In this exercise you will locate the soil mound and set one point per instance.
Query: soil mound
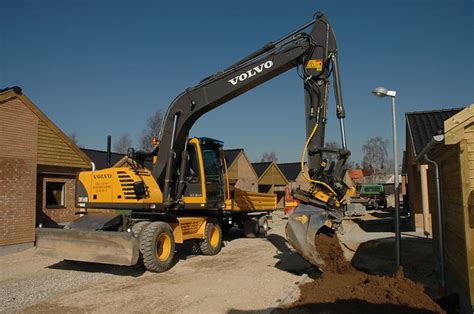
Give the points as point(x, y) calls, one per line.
point(343, 289)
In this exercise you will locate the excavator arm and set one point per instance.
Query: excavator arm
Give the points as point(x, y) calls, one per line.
point(314, 53)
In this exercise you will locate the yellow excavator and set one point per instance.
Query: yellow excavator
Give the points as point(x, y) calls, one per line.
point(133, 214)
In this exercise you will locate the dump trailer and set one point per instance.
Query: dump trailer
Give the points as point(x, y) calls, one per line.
point(121, 213)
point(185, 196)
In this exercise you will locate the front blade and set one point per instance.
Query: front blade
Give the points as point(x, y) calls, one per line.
point(106, 247)
point(301, 229)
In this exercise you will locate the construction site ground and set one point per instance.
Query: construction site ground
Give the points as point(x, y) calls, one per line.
point(248, 275)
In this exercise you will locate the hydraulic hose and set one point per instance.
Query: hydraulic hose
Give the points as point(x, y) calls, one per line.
point(305, 149)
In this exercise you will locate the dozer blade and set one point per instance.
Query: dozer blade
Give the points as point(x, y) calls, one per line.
point(106, 247)
point(301, 229)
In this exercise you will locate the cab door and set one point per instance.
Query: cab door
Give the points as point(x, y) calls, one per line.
point(213, 174)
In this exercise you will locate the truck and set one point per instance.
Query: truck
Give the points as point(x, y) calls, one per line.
point(185, 196)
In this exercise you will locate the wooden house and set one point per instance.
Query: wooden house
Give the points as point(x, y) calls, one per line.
point(455, 159)
point(271, 180)
point(38, 167)
point(240, 171)
point(420, 128)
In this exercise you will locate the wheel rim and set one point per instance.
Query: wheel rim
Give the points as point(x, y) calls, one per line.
point(265, 225)
point(215, 237)
point(163, 247)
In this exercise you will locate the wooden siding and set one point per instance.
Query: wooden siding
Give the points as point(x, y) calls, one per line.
point(272, 176)
point(54, 151)
point(456, 163)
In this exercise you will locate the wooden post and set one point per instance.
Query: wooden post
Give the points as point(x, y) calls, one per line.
point(424, 199)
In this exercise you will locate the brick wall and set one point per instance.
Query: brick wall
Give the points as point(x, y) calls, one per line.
point(51, 216)
point(18, 147)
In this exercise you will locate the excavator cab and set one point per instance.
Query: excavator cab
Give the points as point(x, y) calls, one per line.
point(204, 180)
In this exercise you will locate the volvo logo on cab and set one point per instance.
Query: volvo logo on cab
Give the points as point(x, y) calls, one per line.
point(258, 69)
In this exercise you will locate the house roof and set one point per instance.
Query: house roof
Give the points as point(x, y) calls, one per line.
point(231, 155)
point(62, 147)
point(99, 157)
point(423, 125)
point(291, 170)
point(260, 167)
point(356, 174)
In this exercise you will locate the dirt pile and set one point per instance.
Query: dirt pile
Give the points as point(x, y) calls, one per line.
point(343, 289)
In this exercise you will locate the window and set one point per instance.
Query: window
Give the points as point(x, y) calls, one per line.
point(55, 194)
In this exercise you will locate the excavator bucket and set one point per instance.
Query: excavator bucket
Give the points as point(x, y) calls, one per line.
point(303, 224)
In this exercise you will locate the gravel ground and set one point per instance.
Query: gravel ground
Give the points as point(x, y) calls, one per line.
point(247, 275)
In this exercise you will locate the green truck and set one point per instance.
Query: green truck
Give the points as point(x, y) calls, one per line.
point(371, 196)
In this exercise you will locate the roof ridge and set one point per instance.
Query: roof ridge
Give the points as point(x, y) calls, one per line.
point(101, 151)
point(434, 110)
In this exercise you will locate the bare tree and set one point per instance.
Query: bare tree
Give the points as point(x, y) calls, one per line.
point(268, 157)
point(152, 130)
point(375, 155)
point(122, 143)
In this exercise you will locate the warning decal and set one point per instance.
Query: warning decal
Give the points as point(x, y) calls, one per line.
point(316, 64)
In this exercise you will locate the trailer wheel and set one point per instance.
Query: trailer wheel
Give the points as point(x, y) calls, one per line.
point(251, 228)
point(212, 242)
point(263, 225)
point(157, 246)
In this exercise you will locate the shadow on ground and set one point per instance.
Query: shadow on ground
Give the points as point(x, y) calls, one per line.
point(288, 260)
point(340, 306)
point(377, 257)
point(384, 222)
point(132, 271)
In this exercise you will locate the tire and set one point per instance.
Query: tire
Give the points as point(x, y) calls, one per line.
point(138, 228)
point(157, 246)
point(212, 242)
point(263, 225)
point(195, 248)
point(137, 231)
point(251, 228)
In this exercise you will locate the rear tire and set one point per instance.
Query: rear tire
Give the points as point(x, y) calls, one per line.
point(251, 227)
point(212, 242)
point(157, 246)
point(263, 225)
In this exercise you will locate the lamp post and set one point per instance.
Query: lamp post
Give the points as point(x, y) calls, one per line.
point(383, 92)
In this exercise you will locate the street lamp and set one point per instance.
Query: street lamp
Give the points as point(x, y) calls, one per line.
point(383, 92)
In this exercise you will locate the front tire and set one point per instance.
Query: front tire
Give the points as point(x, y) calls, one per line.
point(212, 242)
point(157, 246)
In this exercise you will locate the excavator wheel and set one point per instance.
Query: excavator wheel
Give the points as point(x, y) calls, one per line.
point(263, 225)
point(251, 227)
point(137, 231)
point(157, 246)
point(212, 242)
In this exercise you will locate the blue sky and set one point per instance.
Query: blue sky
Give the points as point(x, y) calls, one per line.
point(101, 67)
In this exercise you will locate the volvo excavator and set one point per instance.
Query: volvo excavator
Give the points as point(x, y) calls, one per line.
point(133, 215)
